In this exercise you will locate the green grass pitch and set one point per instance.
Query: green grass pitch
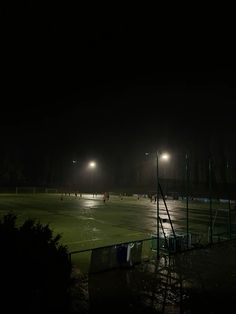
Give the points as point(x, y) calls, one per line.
point(87, 222)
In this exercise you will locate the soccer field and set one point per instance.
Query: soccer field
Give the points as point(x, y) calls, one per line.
point(87, 222)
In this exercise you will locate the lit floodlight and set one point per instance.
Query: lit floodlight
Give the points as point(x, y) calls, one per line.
point(92, 164)
point(165, 156)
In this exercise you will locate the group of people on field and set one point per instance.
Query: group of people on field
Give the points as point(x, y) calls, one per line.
point(69, 193)
point(153, 198)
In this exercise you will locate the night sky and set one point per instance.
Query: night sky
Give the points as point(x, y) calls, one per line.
point(81, 82)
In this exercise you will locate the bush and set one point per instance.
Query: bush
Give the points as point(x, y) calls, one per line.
point(34, 268)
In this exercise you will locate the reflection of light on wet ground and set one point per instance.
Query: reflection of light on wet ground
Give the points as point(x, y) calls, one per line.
point(95, 230)
point(168, 231)
point(90, 204)
point(85, 218)
point(93, 197)
point(133, 217)
point(177, 214)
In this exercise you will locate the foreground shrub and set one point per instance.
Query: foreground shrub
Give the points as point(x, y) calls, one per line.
point(34, 268)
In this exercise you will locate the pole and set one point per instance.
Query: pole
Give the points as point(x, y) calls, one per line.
point(92, 181)
point(187, 196)
point(158, 210)
point(229, 213)
point(210, 199)
point(168, 214)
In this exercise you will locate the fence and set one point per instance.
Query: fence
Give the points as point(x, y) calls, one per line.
point(125, 254)
point(128, 254)
point(27, 190)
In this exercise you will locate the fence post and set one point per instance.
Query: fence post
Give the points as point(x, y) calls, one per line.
point(187, 196)
point(210, 199)
point(229, 196)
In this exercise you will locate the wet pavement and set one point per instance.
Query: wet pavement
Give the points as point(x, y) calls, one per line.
point(196, 281)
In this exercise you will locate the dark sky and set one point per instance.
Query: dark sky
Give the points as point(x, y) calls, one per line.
point(109, 80)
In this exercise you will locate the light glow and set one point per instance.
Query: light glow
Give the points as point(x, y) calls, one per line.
point(165, 156)
point(92, 164)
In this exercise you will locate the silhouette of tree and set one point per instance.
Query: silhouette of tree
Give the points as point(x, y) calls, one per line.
point(34, 268)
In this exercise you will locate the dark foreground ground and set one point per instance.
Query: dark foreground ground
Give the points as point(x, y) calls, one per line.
point(197, 281)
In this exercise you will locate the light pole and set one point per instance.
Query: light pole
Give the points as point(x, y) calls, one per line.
point(75, 163)
point(210, 199)
point(92, 166)
point(158, 209)
point(187, 196)
point(229, 195)
point(164, 157)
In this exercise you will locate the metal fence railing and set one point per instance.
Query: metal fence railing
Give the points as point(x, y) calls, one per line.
point(128, 254)
point(103, 258)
